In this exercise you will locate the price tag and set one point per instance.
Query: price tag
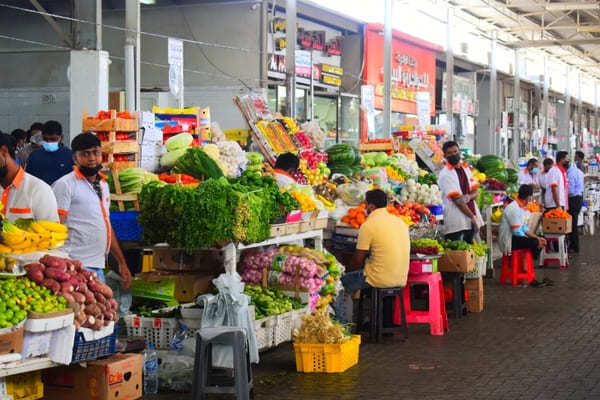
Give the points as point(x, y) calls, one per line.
point(136, 322)
point(157, 323)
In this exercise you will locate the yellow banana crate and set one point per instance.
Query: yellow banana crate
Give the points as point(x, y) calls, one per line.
point(328, 358)
point(27, 386)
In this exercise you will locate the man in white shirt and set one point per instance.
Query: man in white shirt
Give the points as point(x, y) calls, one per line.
point(548, 163)
point(556, 183)
point(23, 195)
point(529, 174)
point(83, 200)
point(285, 167)
point(459, 190)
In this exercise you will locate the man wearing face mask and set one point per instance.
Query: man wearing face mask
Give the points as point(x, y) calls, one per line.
point(575, 189)
point(53, 160)
point(385, 240)
point(556, 183)
point(83, 199)
point(529, 175)
point(459, 191)
point(23, 195)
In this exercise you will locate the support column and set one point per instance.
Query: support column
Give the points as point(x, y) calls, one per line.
point(263, 34)
point(595, 108)
point(132, 54)
point(545, 125)
point(516, 134)
point(290, 56)
point(87, 36)
point(449, 72)
point(579, 124)
point(387, 70)
point(564, 143)
point(493, 131)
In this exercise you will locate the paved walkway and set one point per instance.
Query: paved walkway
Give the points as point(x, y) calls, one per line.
point(529, 343)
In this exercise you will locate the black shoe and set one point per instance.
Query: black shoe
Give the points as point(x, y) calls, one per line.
point(548, 281)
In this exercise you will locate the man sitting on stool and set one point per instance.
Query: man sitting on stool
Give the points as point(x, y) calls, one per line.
point(386, 238)
point(514, 233)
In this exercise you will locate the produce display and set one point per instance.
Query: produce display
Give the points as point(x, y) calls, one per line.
point(91, 299)
point(484, 198)
point(27, 235)
point(318, 327)
point(8, 264)
point(480, 249)
point(269, 302)
point(19, 296)
point(421, 193)
point(426, 246)
point(232, 158)
point(343, 159)
point(427, 179)
point(356, 216)
point(557, 213)
point(534, 207)
point(255, 162)
point(494, 184)
point(131, 179)
point(195, 162)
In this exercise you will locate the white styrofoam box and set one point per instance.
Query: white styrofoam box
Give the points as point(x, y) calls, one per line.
point(36, 344)
point(187, 312)
point(48, 324)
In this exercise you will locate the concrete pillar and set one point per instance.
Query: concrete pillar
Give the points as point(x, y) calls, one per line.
point(387, 70)
point(87, 36)
point(89, 86)
point(516, 134)
point(546, 99)
point(563, 142)
point(493, 131)
point(290, 56)
point(595, 108)
point(449, 71)
point(132, 54)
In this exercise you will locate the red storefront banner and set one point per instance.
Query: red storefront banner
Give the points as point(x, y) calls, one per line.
point(413, 68)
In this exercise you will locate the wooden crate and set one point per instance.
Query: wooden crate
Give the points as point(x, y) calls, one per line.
point(120, 147)
point(114, 124)
point(369, 147)
point(120, 165)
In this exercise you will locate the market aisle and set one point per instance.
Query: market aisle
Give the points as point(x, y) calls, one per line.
point(528, 343)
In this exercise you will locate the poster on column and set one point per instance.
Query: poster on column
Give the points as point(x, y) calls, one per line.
point(424, 109)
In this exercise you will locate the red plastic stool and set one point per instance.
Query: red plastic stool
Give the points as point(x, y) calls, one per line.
point(513, 268)
point(436, 316)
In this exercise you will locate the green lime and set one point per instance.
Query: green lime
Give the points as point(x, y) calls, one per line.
point(9, 314)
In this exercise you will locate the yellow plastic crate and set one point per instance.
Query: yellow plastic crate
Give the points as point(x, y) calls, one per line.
point(329, 358)
point(27, 386)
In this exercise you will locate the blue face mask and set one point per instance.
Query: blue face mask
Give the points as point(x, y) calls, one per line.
point(50, 146)
point(534, 171)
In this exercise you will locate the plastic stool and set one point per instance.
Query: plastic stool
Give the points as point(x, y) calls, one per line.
point(458, 304)
point(561, 257)
point(436, 316)
point(204, 380)
point(514, 269)
point(377, 296)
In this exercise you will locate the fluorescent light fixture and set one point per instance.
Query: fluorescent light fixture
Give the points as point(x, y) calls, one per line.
point(148, 2)
point(589, 29)
point(572, 6)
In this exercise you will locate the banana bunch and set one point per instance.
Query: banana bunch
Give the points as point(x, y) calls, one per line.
point(40, 236)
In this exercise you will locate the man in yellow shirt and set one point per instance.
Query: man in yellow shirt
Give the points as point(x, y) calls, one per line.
point(383, 250)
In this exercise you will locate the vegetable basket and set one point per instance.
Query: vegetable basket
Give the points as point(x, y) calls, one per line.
point(155, 330)
point(329, 358)
point(27, 386)
point(87, 350)
point(283, 328)
point(264, 331)
point(126, 225)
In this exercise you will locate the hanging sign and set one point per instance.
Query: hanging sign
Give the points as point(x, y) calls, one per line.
point(423, 109)
point(175, 52)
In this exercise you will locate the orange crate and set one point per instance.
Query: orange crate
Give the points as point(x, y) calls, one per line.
point(329, 358)
point(92, 124)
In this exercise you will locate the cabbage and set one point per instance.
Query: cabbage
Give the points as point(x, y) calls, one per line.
point(179, 141)
point(170, 158)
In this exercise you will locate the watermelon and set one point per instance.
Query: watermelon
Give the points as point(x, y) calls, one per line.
point(489, 162)
point(513, 176)
point(340, 169)
point(497, 173)
point(340, 154)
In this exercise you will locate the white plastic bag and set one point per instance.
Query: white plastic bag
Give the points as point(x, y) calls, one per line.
point(228, 308)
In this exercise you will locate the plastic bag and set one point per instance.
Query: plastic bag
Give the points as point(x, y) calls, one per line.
point(353, 193)
point(122, 296)
point(217, 134)
point(314, 133)
point(228, 308)
point(175, 371)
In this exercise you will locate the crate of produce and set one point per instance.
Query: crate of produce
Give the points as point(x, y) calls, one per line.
point(283, 328)
point(297, 316)
point(155, 330)
point(480, 268)
point(321, 223)
point(292, 228)
point(28, 386)
point(90, 345)
point(49, 322)
point(558, 226)
point(329, 358)
point(115, 122)
point(264, 331)
point(278, 230)
point(126, 225)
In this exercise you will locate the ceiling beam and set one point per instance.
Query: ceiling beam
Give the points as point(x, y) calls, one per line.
point(574, 27)
point(65, 38)
point(553, 43)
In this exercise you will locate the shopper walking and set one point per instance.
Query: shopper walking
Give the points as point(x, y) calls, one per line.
point(83, 201)
point(33, 142)
point(459, 191)
point(575, 189)
point(556, 183)
point(53, 160)
point(385, 240)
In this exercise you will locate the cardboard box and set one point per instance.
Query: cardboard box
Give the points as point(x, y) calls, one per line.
point(457, 261)
point(475, 289)
point(117, 377)
point(12, 341)
point(183, 287)
point(534, 220)
point(557, 225)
